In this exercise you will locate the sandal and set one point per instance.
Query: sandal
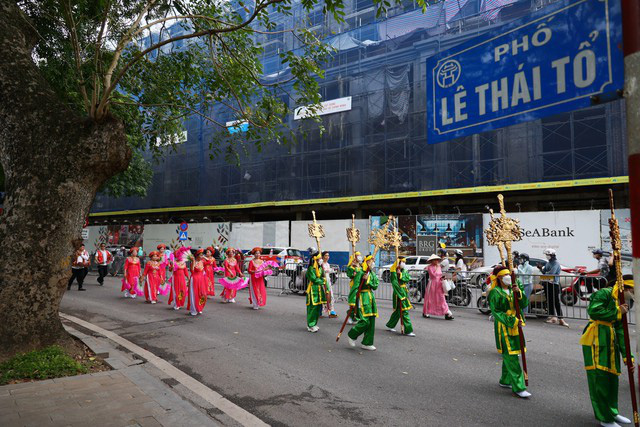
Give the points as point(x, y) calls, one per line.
point(563, 323)
point(553, 321)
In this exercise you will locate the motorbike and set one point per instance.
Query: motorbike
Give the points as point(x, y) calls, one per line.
point(459, 296)
point(581, 288)
point(298, 279)
point(537, 301)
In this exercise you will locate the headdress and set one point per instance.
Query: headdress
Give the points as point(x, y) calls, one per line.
point(199, 252)
point(394, 267)
point(353, 257)
point(365, 266)
point(499, 271)
point(256, 249)
point(133, 250)
point(161, 247)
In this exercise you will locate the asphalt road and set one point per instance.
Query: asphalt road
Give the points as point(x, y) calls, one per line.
point(267, 362)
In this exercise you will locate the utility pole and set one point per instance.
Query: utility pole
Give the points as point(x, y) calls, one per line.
point(631, 50)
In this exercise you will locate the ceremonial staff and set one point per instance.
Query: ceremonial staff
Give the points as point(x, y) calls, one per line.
point(316, 231)
point(616, 246)
point(378, 239)
point(395, 239)
point(502, 232)
point(353, 235)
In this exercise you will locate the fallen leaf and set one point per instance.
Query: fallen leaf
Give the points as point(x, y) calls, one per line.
point(235, 333)
point(406, 373)
point(455, 359)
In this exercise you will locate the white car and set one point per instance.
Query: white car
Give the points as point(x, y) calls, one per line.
point(415, 266)
point(287, 258)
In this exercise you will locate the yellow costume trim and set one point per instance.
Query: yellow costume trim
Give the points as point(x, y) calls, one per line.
point(590, 338)
point(494, 278)
point(353, 257)
point(365, 267)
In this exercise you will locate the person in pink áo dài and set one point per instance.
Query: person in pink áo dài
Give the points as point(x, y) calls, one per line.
point(179, 279)
point(233, 279)
point(434, 300)
point(152, 277)
point(198, 288)
point(131, 277)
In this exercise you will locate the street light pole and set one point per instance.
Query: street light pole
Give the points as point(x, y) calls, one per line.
point(631, 50)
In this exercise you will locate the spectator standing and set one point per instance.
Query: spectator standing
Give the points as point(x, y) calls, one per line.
point(602, 271)
point(78, 267)
point(103, 258)
point(444, 260)
point(525, 273)
point(552, 287)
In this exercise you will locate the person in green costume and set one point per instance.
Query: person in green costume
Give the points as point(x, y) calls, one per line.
point(401, 305)
point(505, 325)
point(316, 296)
point(352, 269)
point(602, 344)
point(368, 310)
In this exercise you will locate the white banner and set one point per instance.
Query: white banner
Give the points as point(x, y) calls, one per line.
point(198, 235)
point(573, 234)
point(326, 107)
point(248, 235)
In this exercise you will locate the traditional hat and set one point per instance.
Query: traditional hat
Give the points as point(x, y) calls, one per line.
point(161, 247)
point(209, 248)
point(133, 250)
point(229, 250)
point(365, 267)
point(256, 249)
point(199, 252)
point(433, 257)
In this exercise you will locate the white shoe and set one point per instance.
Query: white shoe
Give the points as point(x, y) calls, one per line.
point(610, 424)
point(126, 294)
point(622, 420)
point(368, 347)
point(312, 329)
point(350, 321)
point(193, 314)
point(410, 334)
point(154, 302)
point(176, 308)
point(391, 330)
point(133, 296)
point(503, 385)
point(199, 312)
point(256, 308)
point(317, 328)
point(352, 343)
point(523, 394)
point(233, 301)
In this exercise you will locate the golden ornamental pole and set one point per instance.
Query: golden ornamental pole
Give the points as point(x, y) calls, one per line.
point(395, 240)
point(353, 234)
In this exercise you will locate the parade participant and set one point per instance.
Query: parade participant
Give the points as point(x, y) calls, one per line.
point(233, 278)
point(180, 278)
point(434, 301)
point(602, 344)
point(152, 277)
point(257, 270)
point(352, 269)
point(505, 325)
point(210, 267)
point(326, 267)
point(198, 287)
point(78, 265)
point(401, 305)
point(239, 259)
point(316, 295)
point(103, 258)
point(367, 282)
point(165, 262)
point(131, 275)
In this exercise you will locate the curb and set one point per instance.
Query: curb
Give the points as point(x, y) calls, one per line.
point(240, 415)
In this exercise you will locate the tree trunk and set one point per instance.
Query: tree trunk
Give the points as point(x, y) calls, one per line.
point(54, 161)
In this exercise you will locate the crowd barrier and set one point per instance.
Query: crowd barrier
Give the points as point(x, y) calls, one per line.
point(572, 290)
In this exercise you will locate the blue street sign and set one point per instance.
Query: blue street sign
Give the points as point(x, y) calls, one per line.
point(561, 58)
point(184, 226)
point(183, 236)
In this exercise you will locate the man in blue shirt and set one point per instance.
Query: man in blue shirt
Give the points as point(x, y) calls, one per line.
point(552, 287)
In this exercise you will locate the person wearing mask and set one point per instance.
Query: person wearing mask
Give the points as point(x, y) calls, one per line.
point(316, 290)
point(525, 275)
point(444, 260)
point(434, 301)
point(353, 268)
point(602, 345)
point(401, 304)
point(552, 287)
point(326, 267)
point(368, 309)
point(602, 271)
point(78, 266)
point(103, 258)
point(461, 267)
point(505, 327)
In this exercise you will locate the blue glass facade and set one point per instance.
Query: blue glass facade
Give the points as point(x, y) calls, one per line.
point(380, 146)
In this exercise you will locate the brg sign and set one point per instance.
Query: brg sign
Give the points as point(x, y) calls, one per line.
point(561, 58)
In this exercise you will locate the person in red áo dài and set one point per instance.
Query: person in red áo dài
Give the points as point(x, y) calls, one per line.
point(257, 270)
point(198, 288)
point(209, 268)
point(233, 278)
point(152, 277)
point(131, 277)
point(179, 279)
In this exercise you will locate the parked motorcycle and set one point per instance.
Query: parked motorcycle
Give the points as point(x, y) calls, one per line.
point(298, 279)
point(460, 295)
point(537, 301)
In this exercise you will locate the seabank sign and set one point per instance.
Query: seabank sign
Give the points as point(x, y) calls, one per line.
point(561, 58)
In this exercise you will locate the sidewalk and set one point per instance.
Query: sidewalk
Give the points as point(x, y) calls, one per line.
point(134, 393)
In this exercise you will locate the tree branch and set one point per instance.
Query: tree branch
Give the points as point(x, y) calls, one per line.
point(76, 53)
point(96, 88)
point(184, 107)
point(109, 88)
